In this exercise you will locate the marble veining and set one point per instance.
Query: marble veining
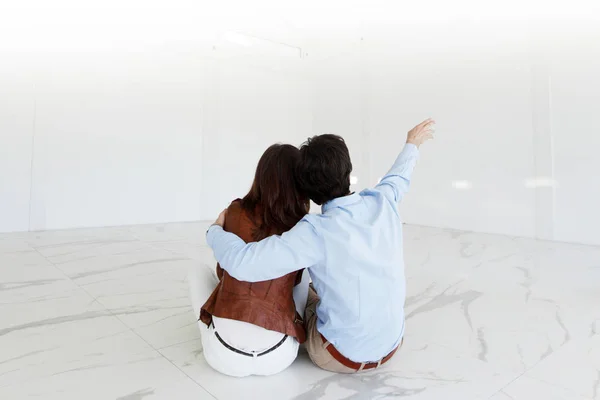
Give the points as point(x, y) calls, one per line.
point(104, 313)
point(138, 395)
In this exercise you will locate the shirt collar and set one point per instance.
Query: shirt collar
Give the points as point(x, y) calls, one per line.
point(340, 202)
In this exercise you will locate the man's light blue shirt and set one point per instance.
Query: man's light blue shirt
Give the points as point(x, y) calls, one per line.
point(353, 251)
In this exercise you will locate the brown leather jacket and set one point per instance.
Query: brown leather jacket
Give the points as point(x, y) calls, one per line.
point(269, 303)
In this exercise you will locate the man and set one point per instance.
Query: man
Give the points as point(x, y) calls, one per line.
point(353, 251)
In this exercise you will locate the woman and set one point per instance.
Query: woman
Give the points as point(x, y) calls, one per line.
point(255, 328)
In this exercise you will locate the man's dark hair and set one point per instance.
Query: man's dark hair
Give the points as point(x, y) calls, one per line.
point(324, 168)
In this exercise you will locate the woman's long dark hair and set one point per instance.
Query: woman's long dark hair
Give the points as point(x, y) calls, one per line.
point(274, 197)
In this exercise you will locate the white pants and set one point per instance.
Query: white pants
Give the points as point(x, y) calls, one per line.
point(243, 336)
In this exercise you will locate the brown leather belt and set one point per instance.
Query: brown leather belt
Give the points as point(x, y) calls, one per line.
point(354, 365)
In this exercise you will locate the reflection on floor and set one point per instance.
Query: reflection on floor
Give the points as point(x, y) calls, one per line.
point(104, 314)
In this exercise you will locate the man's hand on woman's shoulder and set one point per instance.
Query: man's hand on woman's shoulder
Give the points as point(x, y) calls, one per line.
point(221, 219)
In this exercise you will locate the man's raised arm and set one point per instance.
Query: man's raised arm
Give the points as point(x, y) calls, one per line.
point(394, 185)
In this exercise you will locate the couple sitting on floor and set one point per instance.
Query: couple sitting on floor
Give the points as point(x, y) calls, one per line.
point(259, 307)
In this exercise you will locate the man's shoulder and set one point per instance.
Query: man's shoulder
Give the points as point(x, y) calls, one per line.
point(311, 218)
point(315, 220)
point(369, 192)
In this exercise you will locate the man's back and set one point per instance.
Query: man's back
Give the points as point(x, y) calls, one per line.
point(361, 279)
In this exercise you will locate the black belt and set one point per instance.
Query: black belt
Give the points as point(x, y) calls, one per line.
point(243, 352)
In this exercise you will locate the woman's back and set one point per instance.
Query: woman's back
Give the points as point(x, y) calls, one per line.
point(255, 328)
point(268, 305)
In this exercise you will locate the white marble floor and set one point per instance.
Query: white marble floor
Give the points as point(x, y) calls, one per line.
point(104, 314)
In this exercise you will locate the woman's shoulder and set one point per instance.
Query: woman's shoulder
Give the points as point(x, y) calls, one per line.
point(240, 221)
point(238, 206)
point(240, 214)
point(235, 205)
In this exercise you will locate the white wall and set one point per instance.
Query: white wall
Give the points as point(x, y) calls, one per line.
point(130, 113)
point(574, 68)
point(101, 124)
point(508, 103)
point(103, 139)
point(338, 102)
point(17, 108)
point(383, 79)
point(253, 103)
point(157, 113)
point(118, 140)
point(475, 81)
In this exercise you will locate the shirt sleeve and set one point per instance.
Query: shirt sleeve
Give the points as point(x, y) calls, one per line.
point(394, 185)
point(270, 258)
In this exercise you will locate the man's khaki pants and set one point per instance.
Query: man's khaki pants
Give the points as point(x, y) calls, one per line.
point(317, 352)
point(317, 349)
